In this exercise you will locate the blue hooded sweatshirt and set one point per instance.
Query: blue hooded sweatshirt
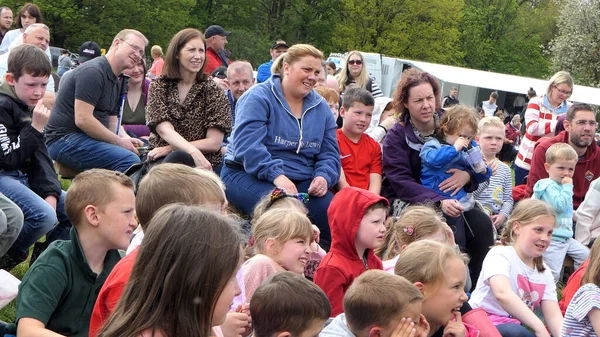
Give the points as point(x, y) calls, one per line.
point(560, 198)
point(268, 140)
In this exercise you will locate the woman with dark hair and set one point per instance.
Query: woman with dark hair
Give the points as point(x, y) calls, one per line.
point(187, 113)
point(134, 108)
point(28, 14)
point(284, 137)
point(354, 72)
point(417, 99)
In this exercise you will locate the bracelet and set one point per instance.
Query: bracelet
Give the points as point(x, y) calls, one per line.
point(384, 129)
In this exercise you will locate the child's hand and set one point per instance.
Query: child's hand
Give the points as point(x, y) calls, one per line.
point(461, 143)
point(316, 233)
point(493, 165)
point(406, 328)
point(454, 327)
point(497, 220)
point(235, 324)
point(423, 327)
point(567, 180)
point(40, 116)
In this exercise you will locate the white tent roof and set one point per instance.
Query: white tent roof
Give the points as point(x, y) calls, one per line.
point(503, 82)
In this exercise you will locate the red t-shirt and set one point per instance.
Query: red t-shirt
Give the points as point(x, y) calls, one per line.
point(360, 159)
point(111, 292)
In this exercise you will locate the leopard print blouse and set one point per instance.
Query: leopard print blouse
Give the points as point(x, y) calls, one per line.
point(204, 107)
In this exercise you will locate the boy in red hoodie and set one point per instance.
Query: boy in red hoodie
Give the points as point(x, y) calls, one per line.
point(356, 218)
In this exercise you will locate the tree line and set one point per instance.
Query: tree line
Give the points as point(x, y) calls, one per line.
point(521, 37)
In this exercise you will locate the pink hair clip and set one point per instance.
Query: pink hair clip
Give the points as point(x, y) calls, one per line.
point(409, 230)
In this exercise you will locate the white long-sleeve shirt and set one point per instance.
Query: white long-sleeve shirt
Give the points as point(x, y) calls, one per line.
point(588, 215)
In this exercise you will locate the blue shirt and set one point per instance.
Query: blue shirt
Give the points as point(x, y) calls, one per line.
point(264, 72)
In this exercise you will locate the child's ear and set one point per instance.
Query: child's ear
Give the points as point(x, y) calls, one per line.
point(375, 332)
point(477, 139)
point(547, 167)
point(272, 246)
point(10, 79)
point(342, 111)
point(283, 334)
point(91, 215)
point(420, 286)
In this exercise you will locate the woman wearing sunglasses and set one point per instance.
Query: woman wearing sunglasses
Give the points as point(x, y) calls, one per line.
point(541, 119)
point(354, 73)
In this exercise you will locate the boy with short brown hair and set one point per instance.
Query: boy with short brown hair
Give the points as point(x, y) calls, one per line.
point(57, 291)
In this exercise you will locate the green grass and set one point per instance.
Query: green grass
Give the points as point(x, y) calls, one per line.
point(8, 313)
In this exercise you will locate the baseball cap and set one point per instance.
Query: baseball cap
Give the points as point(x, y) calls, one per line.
point(220, 72)
point(89, 50)
point(279, 43)
point(215, 30)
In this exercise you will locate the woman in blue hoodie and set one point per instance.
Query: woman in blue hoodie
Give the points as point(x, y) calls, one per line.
point(284, 136)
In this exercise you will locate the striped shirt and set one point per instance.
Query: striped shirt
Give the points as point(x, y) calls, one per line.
point(576, 322)
point(495, 195)
point(540, 121)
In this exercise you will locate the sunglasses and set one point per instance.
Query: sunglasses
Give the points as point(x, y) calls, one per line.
point(353, 62)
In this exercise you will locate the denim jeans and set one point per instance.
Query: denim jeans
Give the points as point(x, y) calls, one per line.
point(520, 174)
point(244, 191)
point(81, 152)
point(11, 222)
point(39, 217)
point(514, 330)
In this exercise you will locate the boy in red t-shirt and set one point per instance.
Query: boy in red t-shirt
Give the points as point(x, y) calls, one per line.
point(360, 154)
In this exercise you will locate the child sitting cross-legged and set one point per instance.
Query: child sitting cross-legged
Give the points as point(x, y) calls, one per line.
point(57, 293)
point(380, 304)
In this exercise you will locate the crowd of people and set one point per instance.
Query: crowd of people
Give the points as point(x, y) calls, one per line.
point(367, 215)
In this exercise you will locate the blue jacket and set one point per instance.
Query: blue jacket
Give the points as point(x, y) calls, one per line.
point(263, 72)
point(268, 140)
point(560, 198)
point(437, 158)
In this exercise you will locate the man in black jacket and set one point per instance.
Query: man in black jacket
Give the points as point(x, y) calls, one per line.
point(27, 175)
point(452, 99)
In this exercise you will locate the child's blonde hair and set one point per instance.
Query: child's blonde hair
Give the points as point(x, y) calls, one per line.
point(281, 225)
point(457, 117)
point(489, 121)
point(560, 151)
point(414, 223)
point(425, 261)
point(376, 297)
point(592, 273)
point(526, 212)
point(282, 201)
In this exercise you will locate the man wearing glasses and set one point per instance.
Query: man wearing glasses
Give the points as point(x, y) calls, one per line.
point(580, 128)
point(81, 132)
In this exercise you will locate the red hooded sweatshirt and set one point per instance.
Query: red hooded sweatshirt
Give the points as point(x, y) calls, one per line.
point(342, 264)
point(586, 170)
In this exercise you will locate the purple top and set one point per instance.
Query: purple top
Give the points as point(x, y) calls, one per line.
point(402, 166)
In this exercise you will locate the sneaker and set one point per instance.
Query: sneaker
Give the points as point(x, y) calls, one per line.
point(38, 249)
point(8, 262)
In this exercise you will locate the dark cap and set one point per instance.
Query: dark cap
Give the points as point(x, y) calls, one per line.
point(220, 72)
point(279, 43)
point(215, 30)
point(89, 50)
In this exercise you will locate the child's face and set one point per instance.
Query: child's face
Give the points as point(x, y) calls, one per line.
point(335, 109)
point(464, 131)
point(357, 118)
point(314, 328)
point(29, 89)
point(223, 305)
point(371, 230)
point(294, 254)
point(491, 140)
point(116, 220)
point(442, 300)
point(533, 239)
point(560, 169)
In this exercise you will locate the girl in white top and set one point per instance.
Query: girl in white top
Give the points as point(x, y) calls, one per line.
point(583, 313)
point(514, 281)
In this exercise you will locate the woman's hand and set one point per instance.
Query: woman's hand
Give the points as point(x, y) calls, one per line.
point(159, 152)
point(452, 207)
point(200, 160)
point(455, 182)
point(283, 182)
point(318, 187)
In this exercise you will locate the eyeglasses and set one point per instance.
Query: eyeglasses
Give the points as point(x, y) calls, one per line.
point(566, 93)
point(584, 122)
point(135, 48)
point(357, 62)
